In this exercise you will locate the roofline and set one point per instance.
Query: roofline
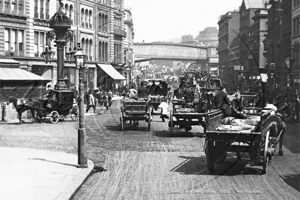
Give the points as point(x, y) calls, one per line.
point(171, 44)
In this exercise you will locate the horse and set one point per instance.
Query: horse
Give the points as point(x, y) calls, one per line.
point(278, 126)
point(20, 108)
point(277, 131)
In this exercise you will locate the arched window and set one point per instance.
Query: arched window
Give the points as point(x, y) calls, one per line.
point(86, 18)
point(100, 51)
point(103, 51)
point(47, 9)
point(100, 22)
point(86, 51)
point(67, 9)
point(82, 17)
point(71, 14)
point(83, 44)
point(91, 49)
point(90, 19)
point(105, 23)
point(106, 52)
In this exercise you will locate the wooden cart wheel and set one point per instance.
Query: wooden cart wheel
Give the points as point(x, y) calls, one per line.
point(265, 158)
point(122, 122)
point(209, 151)
point(54, 117)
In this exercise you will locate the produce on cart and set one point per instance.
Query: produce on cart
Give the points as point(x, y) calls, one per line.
point(258, 135)
point(193, 100)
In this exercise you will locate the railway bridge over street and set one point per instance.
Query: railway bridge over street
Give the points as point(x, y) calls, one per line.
point(203, 58)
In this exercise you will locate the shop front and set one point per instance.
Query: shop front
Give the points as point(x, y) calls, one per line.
point(108, 78)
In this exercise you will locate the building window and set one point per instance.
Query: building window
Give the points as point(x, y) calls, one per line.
point(86, 49)
point(39, 43)
point(82, 17)
point(90, 50)
point(67, 9)
point(21, 7)
point(42, 15)
point(90, 19)
point(13, 7)
point(6, 6)
point(6, 39)
point(21, 43)
point(86, 18)
point(13, 40)
point(71, 13)
point(47, 10)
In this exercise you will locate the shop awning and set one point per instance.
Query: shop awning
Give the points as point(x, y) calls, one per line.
point(17, 74)
point(111, 71)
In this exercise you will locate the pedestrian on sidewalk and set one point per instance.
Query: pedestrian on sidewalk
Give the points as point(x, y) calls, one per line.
point(91, 102)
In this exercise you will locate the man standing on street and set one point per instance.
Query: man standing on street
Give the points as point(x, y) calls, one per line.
point(91, 102)
point(221, 101)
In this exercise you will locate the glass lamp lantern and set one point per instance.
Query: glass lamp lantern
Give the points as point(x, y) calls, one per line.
point(79, 59)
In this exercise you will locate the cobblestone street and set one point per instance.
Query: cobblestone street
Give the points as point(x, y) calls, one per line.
point(140, 164)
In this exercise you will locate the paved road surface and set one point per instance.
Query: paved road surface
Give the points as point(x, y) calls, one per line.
point(137, 164)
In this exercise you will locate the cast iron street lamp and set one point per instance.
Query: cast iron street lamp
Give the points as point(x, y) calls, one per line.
point(61, 24)
point(80, 64)
point(264, 79)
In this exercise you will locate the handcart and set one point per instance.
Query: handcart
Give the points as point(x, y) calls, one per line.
point(220, 140)
point(134, 111)
point(185, 116)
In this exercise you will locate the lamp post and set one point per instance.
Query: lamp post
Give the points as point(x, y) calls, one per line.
point(61, 24)
point(289, 63)
point(264, 79)
point(80, 58)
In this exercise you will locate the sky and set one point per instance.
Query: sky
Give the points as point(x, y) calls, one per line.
point(161, 20)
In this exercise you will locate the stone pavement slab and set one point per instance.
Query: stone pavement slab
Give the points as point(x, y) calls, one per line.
point(30, 174)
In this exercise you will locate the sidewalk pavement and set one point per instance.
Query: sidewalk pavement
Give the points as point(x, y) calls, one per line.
point(30, 174)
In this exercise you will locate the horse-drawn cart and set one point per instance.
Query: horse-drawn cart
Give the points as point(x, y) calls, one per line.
point(134, 111)
point(252, 135)
point(56, 106)
point(183, 116)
